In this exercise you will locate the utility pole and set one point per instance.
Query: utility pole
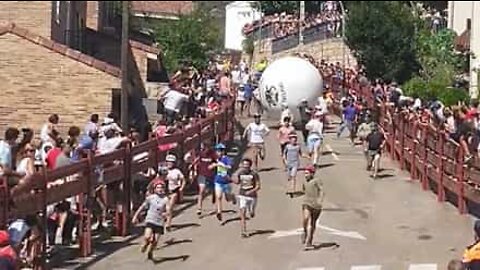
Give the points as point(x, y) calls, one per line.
point(300, 25)
point(124, 65)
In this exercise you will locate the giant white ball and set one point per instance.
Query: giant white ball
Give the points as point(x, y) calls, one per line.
point(287, 81)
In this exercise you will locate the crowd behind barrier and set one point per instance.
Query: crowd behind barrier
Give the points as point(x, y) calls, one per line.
point(120, 166)
point(283, 25)
point(429, 151)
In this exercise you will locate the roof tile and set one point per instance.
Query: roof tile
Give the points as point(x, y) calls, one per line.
point(59, 48)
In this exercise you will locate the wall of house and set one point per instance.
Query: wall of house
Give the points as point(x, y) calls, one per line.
point(38, 82)
point(33, 15)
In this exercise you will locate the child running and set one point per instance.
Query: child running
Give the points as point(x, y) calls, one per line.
point(157, 206)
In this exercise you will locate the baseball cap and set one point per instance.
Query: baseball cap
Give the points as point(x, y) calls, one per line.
point(171, 158)
point(220, 146)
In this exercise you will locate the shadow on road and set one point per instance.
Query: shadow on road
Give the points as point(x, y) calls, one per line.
point(326, 245)
point(173, 242)
point(167, 259)
point(322, 166)
point(383, 176)
point(268, 169)
point(261, 232)
point(177, 227)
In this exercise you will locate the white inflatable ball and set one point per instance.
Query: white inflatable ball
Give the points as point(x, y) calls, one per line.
point(287, 81)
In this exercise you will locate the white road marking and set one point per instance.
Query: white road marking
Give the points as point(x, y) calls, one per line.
point(311, 268)
point(329, 149)
point(299, 231)
point(422, 267)
point(366, 267)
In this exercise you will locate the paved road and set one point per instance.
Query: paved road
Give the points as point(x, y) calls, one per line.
point(389, 223)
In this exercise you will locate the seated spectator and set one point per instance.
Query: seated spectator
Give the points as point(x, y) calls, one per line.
point(6, 160)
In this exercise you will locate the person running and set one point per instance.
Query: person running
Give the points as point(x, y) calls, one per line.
point(257, 132)
point(176, 185)
point(206, 157)
point(471, 256)
point(283, 134)
point(315, 137)
point(311, 205)
point(157, 206)
point(305, 115)
point(249, 183)
point(222, 178)
point(376, 142)
point(291, 160)
point(349, 116)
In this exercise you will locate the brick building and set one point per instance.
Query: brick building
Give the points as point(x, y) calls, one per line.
point(63, 57)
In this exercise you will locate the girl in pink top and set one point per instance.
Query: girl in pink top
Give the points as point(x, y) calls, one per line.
point(283, 134)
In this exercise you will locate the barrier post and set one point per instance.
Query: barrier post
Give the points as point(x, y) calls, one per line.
point(127, 194)
point(441, 154)
point(402, 140)
point(425, 184)
point(85, 234)
point(462, 204)
point(413, 167)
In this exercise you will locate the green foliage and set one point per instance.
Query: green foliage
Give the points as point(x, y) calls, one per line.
point(191, 37)
point(248, 45)
point(437, 49)
point(381, 35)
point(272, 7)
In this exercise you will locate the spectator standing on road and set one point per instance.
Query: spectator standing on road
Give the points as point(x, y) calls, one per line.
point(311, 205)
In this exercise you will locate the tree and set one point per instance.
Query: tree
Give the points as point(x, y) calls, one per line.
point(381, 35)
point(191, 38)
point(272, 7)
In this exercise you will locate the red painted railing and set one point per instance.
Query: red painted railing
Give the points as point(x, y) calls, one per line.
point(428, 154)
point(81, 178)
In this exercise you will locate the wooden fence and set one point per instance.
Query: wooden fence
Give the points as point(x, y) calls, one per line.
point(82, 178)
point(429, 155)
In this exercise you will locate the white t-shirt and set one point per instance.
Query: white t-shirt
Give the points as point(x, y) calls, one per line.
point(322, 104)
point(174, 178)
point(236, 78)
point(44, 134)
point(257, 132)
point(315, 126)
point(17, 231)
point(173, 100)
point(108, 145)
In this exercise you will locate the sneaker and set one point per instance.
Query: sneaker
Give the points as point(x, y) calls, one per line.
point(199, 212)
point(219, 216)
point(245, 235)
point(308, 247)
point(252, 214)
point(144, 247)
point(150, 255)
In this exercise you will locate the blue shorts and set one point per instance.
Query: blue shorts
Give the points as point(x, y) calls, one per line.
point(313, 141)
point(224, 188)
point(292, 169)
point(205, 181)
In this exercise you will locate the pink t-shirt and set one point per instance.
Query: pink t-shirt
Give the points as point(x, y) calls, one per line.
point(283, 133)
point(225, 84)
point(160, 132)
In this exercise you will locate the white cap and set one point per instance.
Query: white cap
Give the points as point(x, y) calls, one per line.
point(171, 158)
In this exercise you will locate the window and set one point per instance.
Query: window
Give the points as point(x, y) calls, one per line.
point(155, 71)
point(57, 11)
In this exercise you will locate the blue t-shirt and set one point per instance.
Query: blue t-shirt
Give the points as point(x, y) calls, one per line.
point(349, 113)
point(222, 176)
point(248, 90)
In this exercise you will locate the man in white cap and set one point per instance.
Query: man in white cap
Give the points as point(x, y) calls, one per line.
point(315, 136)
